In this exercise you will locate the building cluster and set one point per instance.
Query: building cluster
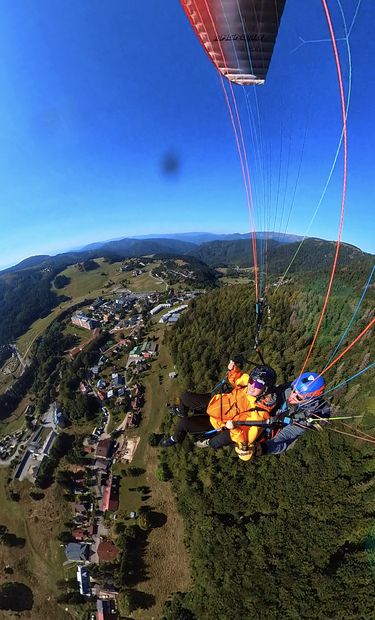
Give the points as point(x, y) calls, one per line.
point(97, 492)
point(126, 311)
point(82, 320)
point(172, 317)
point(147, 350)
point(173, 271)
point(37, 449)
point(122, 312)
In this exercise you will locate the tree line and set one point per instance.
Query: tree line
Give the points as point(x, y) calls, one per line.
point(289, 536)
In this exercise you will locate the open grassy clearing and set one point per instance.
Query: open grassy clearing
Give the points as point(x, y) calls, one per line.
point(91, 283)
point(16, 420)
point(39, 563)
point(146, 282)
point(166, 559)
point(6, 381)
point(100, 281)
point(25, 342)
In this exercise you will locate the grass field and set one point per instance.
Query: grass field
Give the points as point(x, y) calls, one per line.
point(166, 559)
point(39, 563)
point(16, 420)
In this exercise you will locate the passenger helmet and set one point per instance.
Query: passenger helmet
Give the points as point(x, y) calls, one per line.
point(239, 360)
point(264, 374)
point(309, 385)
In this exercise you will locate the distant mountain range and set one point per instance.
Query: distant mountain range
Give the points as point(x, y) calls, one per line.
point(178, 243)
point(215, 250)
point(204, 237)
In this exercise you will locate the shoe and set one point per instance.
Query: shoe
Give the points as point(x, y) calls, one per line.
point(175, 410)
point(204, 443)
point(167, 442)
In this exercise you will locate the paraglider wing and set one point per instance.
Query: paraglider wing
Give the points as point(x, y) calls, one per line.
point(238, 35)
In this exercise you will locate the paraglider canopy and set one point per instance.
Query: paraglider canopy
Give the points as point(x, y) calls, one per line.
point(238, 35)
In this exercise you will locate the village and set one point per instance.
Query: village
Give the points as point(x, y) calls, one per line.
point(115, 381)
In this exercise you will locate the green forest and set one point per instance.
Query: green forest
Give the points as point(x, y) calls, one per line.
point(288, 536)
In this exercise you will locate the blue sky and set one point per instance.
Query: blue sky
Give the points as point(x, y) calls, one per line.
point(96, 98)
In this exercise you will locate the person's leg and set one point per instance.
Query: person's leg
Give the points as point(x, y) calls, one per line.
point(194, 424)
point(189, 424)
point(221, 439)
point(283, 440)
point(192, 401)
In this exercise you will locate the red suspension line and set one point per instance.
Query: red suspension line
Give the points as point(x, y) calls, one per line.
point(245, 174)
point(363, 332)
point(357, 430)
point(335, 430)
point(345, 146)
point(241, 153)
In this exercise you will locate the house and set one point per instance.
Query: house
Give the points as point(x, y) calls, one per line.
point(100, 384)
point(101, 465)
point(59, 418)
point(158, 308)
point(104, 448)
point(49, 442)
point(77, 552)
point(117, 380)
point(81, 320)
point(83, 578)
point(105, 610)
point(78, 535)
point(83, 387)
point(149, 349)
point(114, 498)
point(107, 551)
point(172, 375)
point(88, 449)
point(106, 495)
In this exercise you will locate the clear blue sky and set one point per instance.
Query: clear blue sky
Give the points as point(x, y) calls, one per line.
point(97, 96)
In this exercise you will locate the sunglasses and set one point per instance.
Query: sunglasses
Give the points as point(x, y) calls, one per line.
point(257, 384)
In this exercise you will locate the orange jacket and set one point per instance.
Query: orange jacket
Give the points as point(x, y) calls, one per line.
point(236, 406)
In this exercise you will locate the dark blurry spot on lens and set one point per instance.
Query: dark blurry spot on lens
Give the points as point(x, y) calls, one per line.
point(170, 164)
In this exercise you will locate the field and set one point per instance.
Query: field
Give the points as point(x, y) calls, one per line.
point(242, 275)
point(38, 563)
point(166, 559)
point(16, 420)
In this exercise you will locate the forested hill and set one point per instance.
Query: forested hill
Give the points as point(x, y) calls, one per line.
point(280, 537)
point(112, 250)
point(314, 254)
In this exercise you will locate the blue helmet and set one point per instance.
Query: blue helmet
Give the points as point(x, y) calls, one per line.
point(308, 385)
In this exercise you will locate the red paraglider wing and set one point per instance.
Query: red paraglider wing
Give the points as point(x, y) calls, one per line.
point(238, 35)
